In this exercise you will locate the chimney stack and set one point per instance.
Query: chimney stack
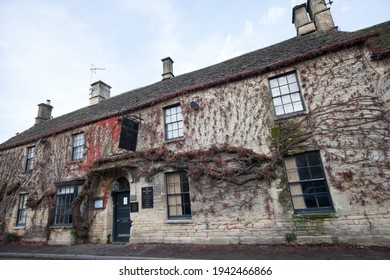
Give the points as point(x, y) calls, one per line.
point(167, 68)
point(320, 17)
point(44, 112)
point(99, 91)
point(301, 20)
point(320, 14)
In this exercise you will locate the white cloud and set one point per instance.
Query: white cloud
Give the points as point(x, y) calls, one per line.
point(248, 31)
point(345, 9)
point(45, 54)
point(273, 15)
point(227, 50)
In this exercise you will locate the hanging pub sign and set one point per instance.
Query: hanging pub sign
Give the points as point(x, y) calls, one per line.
point(129, 133)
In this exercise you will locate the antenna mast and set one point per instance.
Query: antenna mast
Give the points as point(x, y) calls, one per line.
point(93, 70)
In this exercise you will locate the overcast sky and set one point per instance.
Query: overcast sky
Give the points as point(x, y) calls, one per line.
point(47, 47)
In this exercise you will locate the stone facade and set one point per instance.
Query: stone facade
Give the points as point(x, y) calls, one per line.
point(346, 118)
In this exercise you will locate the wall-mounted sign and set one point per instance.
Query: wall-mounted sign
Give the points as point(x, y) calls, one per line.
point(147, 197)
point(128, 135)
point(98, 203)
point(133, 206)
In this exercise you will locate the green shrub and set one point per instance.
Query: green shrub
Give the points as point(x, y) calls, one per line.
point(11, 237)
point(290, 237)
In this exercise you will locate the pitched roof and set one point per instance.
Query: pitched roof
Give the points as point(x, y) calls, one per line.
point(282, 54)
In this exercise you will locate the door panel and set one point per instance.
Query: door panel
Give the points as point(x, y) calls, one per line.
point(122, 222)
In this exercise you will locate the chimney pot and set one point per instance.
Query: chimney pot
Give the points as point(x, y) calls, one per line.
point(99, 91)
point(167, 68)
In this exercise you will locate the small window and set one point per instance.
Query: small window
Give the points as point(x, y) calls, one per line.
point(78, 146)
point(63, 206)
point(30, 158)
point(286, 95)
point(173, 122)
point(307, 182)
point(178, 196)
point(21, 217)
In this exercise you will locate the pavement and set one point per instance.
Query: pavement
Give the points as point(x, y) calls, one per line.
point(20, 250)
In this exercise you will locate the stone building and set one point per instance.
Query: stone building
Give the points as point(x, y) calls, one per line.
point(289, 143)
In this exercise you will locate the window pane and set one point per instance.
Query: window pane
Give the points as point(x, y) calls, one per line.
point(284, 89)
point(323, 201)
point(291, 78)
point(298, 202)
point(310, 201)
point(301, 160)
point(279, 110)
point(275, 92)
point(277, 101)
point(286, 99)
point(313, 159)
point(295, 97)
point(288, 108)
point(297, 106)
point(294, 87)
point(273, 83)
point(316, 172)
point(282, 81)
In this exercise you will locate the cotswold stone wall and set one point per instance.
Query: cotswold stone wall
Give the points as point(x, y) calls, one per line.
point(237, 185)
point(347, 120)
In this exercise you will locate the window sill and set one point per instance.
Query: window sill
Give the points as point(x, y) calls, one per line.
point(174, 140)
point(21, 227)
point(61, 227)
point(319, 215)
point(180, 221)
point(291, 115)
point(76, 160)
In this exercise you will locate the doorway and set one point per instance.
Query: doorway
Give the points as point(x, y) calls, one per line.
point(121, 203)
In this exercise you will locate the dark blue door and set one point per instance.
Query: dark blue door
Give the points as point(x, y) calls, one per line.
point(122, 222)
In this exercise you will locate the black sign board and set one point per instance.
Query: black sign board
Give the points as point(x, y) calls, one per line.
point(133, 206)
point(128, 136)
point(147, 197)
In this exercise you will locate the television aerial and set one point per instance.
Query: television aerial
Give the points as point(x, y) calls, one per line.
point(93, 69)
